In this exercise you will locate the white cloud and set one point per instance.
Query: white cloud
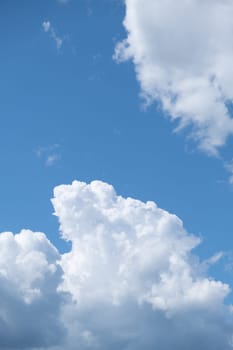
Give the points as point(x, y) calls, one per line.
point(49, 154)
point(29, 302)
point(123, 247)
point(48, 28)
point(183, 57)
point(52, 159)
point(129, 280)
point(132, 263)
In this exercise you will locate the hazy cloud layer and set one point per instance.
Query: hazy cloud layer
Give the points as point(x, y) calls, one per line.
point(129, 280)
point(183, 54)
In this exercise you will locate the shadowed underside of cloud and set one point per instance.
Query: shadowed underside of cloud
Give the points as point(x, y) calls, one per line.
point(29, 302)
point(130, 280)
point(183, 54)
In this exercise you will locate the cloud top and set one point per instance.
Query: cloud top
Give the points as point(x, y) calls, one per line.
point(126, 248)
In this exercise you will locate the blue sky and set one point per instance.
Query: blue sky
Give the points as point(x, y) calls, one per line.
point(75, 113)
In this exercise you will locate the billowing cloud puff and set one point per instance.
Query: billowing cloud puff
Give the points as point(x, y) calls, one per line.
point(124, 248)
point(29, 301)
point(130, 280)
point(183, 57)
point(133, 277)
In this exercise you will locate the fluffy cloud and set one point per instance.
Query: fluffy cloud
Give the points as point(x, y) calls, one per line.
point(183, 57)
point(133, 277)
point(125, 248)
point(29, 301)
point(129, 280)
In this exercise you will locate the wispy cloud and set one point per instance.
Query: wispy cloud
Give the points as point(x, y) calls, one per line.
point(229, 168)
point(48, 28)
point(52, 159)
point(50, 155)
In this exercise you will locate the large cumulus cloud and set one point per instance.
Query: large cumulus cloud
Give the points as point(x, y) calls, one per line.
point(130, 280)
point(133, 277)
point(183, 54)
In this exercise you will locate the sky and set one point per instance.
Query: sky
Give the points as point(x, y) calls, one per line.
point(116, 174)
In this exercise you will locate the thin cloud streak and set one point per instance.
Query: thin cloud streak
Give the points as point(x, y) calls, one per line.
point(48, 28)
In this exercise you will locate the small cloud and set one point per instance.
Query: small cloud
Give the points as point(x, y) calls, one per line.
point(229, 168)
point(48, 28)
point(214, 259)
point(229, 263)
point(50, 154)
point(52, 159)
